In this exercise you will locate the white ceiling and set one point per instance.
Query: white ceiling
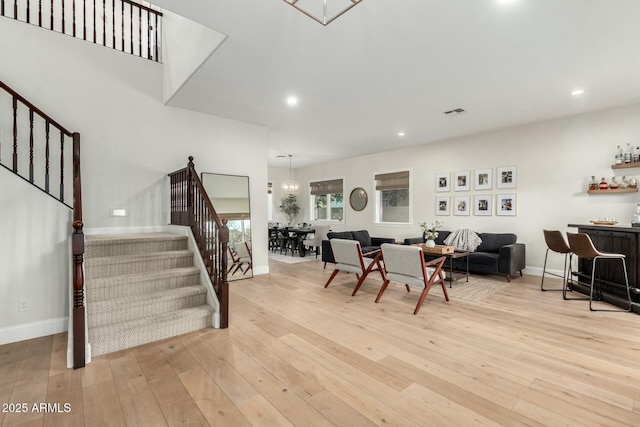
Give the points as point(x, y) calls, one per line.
point(396, 65)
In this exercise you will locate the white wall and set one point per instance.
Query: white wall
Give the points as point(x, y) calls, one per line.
point(36, 260)
point(130, 140)
point(554, 160)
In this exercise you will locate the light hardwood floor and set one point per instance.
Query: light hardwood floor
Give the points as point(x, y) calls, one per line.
point(299, 354)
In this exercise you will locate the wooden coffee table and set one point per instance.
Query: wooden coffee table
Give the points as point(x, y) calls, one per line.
point(449, 263)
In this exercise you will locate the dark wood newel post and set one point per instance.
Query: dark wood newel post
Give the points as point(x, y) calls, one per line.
point(77, 249)
point(190, 196)
point(223, 235)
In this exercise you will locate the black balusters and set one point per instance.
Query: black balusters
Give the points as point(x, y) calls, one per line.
point(122, 23)
point(131, 25)
point(15, 134)
point(62, 166)
point(46, 158)
point(113, 23)
point(140, 31)
point(58, 21)
point(30, 145)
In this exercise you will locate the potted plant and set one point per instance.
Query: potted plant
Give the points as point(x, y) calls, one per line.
point(430, 232)
point(289, 206)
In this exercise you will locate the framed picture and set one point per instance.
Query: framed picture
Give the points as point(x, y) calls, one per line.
point(482, 205)
point(506, 177)
point(483, 179)
point(442, 182)
point(462, 181)
point(506, 204)
point(461, 205)
point(442, 206)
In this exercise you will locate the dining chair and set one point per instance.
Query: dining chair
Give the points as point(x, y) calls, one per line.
point(349, 259)
point(406, 264)
point(319, 235)
point(582, 246)
point(556, 243)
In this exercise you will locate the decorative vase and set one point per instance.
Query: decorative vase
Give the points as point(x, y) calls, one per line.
point(430, 243)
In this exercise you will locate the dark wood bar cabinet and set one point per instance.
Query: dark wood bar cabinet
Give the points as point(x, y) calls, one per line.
point(609, 274)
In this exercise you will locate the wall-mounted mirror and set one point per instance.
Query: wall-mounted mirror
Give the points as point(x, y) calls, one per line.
point(229, 195)
point(358, 199)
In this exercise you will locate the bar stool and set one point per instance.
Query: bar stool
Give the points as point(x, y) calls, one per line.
point(582, 246)
point(556, 243)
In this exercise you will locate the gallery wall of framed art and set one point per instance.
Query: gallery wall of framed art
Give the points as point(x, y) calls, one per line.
point(482, 201)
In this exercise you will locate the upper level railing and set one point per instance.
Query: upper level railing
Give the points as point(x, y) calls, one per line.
point(119, 24)
point(191, 206)
point(38, 149)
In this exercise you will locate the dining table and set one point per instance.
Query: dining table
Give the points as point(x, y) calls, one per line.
point(301, 234)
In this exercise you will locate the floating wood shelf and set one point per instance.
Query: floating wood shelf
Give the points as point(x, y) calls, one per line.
point(616, 191)
point(626, 166)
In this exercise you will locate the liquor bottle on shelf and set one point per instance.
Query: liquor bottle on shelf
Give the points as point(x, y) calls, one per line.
point(593, 184)
point(624, 184)
point(628, 154)
point(603, 184)
point(633, 183)
point(636, 154)
point(619, 156)
point(613, 185)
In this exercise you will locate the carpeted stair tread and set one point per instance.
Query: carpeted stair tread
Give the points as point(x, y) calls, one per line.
point(135, 306)
point(129, 244)
point(139, 283)
point(121, 335)
point(139, 263)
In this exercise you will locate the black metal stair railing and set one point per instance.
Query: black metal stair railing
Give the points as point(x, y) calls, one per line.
point(119, 24)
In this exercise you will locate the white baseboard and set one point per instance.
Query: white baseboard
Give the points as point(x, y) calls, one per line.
point(261, 270)
point(27, 331)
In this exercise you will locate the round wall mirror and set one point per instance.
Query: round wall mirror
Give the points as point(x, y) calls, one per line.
point(358, 199)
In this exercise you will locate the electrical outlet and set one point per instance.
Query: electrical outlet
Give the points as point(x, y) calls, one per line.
point(23, 305)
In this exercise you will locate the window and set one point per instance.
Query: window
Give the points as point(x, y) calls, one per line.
point(392, 197)
point(327, 201)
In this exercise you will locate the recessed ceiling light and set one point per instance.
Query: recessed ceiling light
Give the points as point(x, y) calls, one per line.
point(292, 101)
point(401, 133)
point(577, 92)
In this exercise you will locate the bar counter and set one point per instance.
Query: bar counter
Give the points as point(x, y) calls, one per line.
point(616, 239)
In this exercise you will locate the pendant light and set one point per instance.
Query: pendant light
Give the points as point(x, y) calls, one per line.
point(290, 188)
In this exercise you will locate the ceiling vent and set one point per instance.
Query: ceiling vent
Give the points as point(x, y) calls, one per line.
point(455, 112)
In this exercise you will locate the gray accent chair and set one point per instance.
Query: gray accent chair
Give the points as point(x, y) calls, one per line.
point(349, 259)
point(405, 264)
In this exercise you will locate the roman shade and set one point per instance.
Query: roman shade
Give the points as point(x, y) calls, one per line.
point(392, 181)
point(321, 188)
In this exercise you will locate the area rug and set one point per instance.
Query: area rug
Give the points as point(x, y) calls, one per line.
point(295, 259)
point(476, 289)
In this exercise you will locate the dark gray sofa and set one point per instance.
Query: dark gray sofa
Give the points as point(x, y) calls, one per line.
point(367, 243)
point(497, 254)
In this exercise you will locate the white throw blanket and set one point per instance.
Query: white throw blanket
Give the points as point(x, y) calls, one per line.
point(463, 240)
